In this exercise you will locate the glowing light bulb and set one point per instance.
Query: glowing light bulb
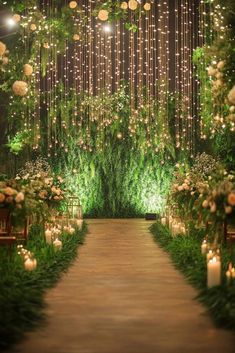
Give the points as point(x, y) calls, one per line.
point(107, 28)
point(10, 22)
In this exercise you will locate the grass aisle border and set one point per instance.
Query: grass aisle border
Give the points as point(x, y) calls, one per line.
point(185, 252)
point(21, 292)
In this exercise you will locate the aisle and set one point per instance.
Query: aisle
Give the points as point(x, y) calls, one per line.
point(123, 295)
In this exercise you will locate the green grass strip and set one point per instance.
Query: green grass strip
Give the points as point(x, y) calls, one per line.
point(22, 292)
point(185, 252)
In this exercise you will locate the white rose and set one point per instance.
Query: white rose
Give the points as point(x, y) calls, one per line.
point(213, 207)
point(211, 71)
point(221, 65)
point(20, 88)
point(19, 197)
point(2, 48)
point(228, 209)
point(205, 204)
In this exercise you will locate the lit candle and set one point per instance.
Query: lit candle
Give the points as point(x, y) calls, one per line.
point(57, 244)
point(71, 230)
point(79, 223)
point(163, 221)
point(209, 255)
point(213, 272)
point(30, 264)
point(48, 234)
point(204, 247)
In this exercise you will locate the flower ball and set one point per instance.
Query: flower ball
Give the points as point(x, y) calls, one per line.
point(16, 18)
point(147, 6)
point(133, 5)
point(33, 27)
point(2, 48)
point(76, 37)
point(20, 88)
point(124, 5)
point(73, 4)
point(231, 95)
point(103, 15)
point(28, 70)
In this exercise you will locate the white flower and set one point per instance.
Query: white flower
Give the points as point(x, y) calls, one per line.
point(73, 4)
point(218, 83)
point(185, 186)
point(5, 60)
point(221, 65)
point(20, 88)
point(180, 188)
point(76, 37)
point(2, 48)
point(28, 70)
point(228, 209)
point(232, 109)
point(16, 18)
point(33, 27)
point(124, 5)
point(147, 6)
point(205, 204)
point(133, 5)
point(213, 207)
point(103, 15)
point(231, 95)
point(211, 71)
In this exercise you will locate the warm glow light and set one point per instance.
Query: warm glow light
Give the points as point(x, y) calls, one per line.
point(10, 22)
point(107, 28)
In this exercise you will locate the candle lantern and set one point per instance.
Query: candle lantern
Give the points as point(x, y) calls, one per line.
point(74, 208)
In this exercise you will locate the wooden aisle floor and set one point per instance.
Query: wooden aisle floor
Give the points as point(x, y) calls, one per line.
point(123, 295)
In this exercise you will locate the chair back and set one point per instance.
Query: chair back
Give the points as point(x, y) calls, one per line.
point(5, 221)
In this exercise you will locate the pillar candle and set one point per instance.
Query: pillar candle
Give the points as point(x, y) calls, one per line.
point(163, 221)
point(213, 272)
point(204, 247)
point(30, 264)
point(79, 223)
point(57, 244)
point(48, 235)
point(209, 255)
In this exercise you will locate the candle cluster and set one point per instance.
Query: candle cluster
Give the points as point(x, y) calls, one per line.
point(30, 263)
point(175, 225)
point(230, 273)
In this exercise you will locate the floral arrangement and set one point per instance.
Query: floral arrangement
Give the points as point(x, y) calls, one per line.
point(206, 192)
point(11, 195)
point(217, 203)
point(39, 178)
